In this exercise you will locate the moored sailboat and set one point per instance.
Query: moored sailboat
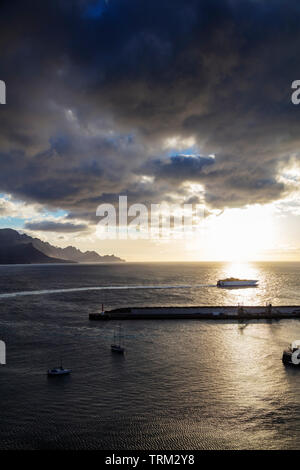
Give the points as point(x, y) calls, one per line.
point(58, 371)
point(117, 346)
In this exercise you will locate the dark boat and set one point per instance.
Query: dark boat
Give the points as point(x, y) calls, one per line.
point(58, 371)
point(291, 355)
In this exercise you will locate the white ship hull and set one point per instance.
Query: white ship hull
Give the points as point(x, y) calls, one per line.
point(237, 283)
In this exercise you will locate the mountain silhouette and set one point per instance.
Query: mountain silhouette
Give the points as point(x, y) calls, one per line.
point(17, 248)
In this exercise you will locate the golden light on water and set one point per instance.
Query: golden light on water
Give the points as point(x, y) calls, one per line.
point(241, 270)
point(242, 296)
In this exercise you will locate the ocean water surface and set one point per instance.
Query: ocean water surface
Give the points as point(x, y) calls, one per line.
point(182, 384)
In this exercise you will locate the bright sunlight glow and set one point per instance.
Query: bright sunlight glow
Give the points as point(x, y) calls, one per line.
point(239, 234)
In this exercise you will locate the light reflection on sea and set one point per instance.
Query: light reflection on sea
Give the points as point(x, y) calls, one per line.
point(182, 384)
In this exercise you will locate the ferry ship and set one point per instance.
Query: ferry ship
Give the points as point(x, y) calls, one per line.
point(234, 282)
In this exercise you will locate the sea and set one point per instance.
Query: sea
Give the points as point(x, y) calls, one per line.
point(181, 384)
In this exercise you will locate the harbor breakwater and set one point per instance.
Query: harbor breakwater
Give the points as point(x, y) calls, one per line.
point(200, 313)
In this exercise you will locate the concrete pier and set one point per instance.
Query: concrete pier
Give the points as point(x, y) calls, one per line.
point(235, 312)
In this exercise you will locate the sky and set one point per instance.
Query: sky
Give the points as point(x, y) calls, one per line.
point(169, 101)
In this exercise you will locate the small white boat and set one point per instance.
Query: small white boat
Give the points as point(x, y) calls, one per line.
point(291, 355)
point(234, 282)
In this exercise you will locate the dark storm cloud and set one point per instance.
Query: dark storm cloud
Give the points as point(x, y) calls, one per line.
point(50, 226)
point(223, 178)
point(94, 88)
point(179, 167)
